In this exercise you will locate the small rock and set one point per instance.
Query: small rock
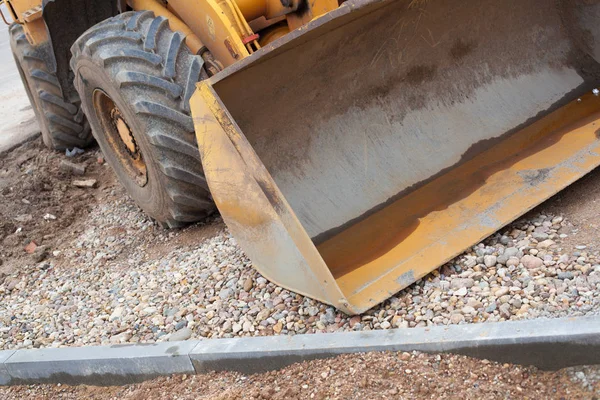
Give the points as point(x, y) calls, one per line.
point(512, 262)
point(461, 292)
point(505, 310)
point(248, 283)
point(72, 168)
point(511, 252)
point(456, 318)
point(11, 284)
point(531, 262)
point(468, 310)
point(85, 183)
point(545, 244)
point(120, 338)
point(354, 320)
point(539, 236)
point(565, 275)
point(30, 248)
point(491, 308)
point(329, 316)
point(182, 334)
point(247, 326)
point(489, 260)
point(312, 311)
point(116, 314)
point(278, 327)
point(462, 283)
point(225, 293)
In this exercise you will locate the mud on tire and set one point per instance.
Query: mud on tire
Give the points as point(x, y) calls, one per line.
point(149, 75)
point(62, 123)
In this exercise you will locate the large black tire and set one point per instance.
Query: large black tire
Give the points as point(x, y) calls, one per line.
point(149, 75)
point(62, 123)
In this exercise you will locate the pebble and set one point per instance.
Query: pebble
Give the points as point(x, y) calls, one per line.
point(489, 260)
point(70, 167)
point(248, 284)
point(85, 183)
point(457, 318)
point(181, 324)
point(513, 262)
point(545, 244)
point(566, 275)
point(531, 262)
point(183, 334)
point(462, 283)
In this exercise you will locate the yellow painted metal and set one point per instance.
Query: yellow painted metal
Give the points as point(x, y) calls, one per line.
point(269, 232)
point(191, 39)
point(273, 33)
point(359, 268)
point(253, 9)
point(247, 35)
point(29, 14)
point(215, 26)
point(36, 31)
point(22, 6)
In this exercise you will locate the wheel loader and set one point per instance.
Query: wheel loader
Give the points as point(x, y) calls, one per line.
point(351, 147)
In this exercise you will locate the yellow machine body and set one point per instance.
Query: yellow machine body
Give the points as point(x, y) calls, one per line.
point(378, 139)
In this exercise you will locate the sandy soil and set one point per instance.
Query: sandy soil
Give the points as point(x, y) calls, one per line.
point(361, 376)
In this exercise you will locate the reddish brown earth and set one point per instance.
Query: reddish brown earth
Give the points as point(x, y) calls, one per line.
point(360, 376)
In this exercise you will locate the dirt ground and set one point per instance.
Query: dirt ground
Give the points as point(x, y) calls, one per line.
point(39, 204)
point(40, 207)
point(361, 376)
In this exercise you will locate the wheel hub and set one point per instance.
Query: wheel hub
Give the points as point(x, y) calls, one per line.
point(120, 137)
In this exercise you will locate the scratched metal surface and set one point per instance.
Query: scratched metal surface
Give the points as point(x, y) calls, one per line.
point(361, 112)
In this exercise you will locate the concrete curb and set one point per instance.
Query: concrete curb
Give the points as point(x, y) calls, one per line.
point(547, 344)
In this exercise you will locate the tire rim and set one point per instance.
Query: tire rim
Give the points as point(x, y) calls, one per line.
point(120, 137)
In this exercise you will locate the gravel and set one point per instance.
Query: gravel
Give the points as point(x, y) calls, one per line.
point(119, 278)
point(124, 280)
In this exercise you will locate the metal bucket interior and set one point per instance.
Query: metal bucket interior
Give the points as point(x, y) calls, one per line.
point(383, 114)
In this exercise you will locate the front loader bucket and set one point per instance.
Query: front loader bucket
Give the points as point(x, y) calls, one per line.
point(357, 154)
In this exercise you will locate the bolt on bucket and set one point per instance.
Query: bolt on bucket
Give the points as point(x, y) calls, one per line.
point(354, 156)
